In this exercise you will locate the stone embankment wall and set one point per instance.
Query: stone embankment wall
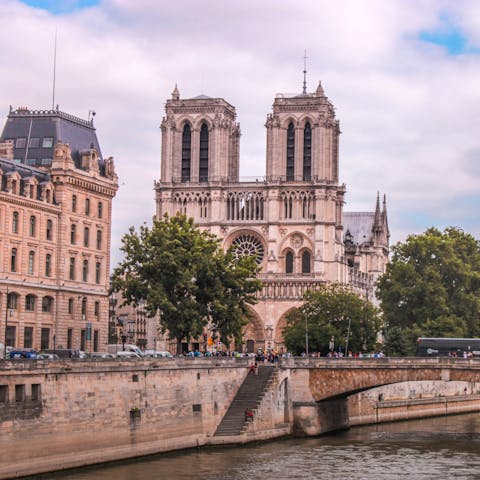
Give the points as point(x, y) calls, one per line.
point(55, 415)
point(408, 400)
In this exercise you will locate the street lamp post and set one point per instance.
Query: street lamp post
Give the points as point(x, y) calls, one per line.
point(331, 344)
point(306, 335)
point(348, 337)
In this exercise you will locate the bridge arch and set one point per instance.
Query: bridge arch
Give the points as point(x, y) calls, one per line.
point(342, 378)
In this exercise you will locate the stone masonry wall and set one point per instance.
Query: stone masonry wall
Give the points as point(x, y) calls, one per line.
point(67, 414)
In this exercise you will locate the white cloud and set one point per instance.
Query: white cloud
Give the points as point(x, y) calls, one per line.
point(408, 111)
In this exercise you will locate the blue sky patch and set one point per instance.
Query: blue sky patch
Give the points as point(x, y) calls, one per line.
point(449, 36)
point(61, 6)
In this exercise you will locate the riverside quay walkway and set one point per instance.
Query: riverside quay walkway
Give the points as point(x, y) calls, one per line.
point(70, 413)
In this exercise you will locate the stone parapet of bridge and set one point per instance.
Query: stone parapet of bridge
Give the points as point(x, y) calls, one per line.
point(338, 378)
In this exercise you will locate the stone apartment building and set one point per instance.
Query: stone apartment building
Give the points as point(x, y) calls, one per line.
point(292, 219)
point(56, 192)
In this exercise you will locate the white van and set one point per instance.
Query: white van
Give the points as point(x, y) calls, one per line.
point(128, 347)
point(128, 354)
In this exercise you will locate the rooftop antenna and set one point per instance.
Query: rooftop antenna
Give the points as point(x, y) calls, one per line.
point(54, 69)
point(305, 72)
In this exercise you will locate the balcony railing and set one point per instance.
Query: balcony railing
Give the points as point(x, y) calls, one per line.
point(275, 179)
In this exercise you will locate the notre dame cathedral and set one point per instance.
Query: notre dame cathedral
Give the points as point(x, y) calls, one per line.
point(292, 219)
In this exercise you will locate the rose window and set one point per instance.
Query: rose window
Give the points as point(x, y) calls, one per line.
point(248, 245)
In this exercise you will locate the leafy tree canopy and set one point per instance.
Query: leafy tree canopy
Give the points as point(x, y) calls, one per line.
point(329, 311)
point(183, 274)
point(431, 288)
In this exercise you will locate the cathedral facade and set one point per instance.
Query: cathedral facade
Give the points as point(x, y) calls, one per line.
point(291, 219)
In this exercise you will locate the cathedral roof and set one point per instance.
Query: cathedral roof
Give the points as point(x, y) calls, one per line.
point(202, 97)
point(36, 132)
point(359, 225)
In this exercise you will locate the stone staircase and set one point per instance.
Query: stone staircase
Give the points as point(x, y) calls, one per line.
point(249, 395)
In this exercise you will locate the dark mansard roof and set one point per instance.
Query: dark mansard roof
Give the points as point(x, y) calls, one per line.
point(26, 172)
point(35, 133)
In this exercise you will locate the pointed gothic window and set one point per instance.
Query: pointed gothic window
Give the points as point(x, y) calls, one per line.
point(289, 262)
point(203, 173)
point(186, 153)
point(306, 262)
point(290, 152)
point(307, 152)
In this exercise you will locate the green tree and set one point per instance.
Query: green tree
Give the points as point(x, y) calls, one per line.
point(184, 275)
point(332, 311)
point(432, 287)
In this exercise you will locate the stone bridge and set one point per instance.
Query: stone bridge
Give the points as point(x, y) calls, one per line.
point(321, 387)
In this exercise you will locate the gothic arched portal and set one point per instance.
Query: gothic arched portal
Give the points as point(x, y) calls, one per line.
point(253, 333)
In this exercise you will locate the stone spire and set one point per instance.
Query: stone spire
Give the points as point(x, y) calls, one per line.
point(319, 92)
point(175, 93)
point(377, 222)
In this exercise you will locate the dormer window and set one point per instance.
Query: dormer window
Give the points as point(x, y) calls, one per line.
point(47, 142)
point(20, 142)
point(34, 142)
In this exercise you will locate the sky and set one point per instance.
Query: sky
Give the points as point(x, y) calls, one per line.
point(403, 76)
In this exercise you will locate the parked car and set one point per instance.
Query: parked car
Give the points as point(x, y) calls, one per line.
point(156, 354)
point(48, 356)
point(19, 354)
point(102, 355)
point(127, 354)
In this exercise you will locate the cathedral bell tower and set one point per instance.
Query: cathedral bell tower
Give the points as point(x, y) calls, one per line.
point(200, 140)
point(302, 138)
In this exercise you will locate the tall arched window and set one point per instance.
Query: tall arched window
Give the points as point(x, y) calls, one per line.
point(291, 152)
point(100, 210)
point(73, 234)
point(203, 172)
point(307, 152)
point(85, 270)
point(30, 303)
point(87, 206)
point(289, 262)
point(13, 260)
point(98, 267)
point(99, 239)
point(31, 262)
point(86, 236)
point(84, 307)
point(74, 203)
point(12, 301)
point(186, 153)
point(48, 265)
point(47, 304)
point(49, 230)
point(15, 222)
point(33, 223)
point(306, 262)
point(72, 268)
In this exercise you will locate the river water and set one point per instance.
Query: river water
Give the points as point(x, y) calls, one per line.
point(443, 448)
